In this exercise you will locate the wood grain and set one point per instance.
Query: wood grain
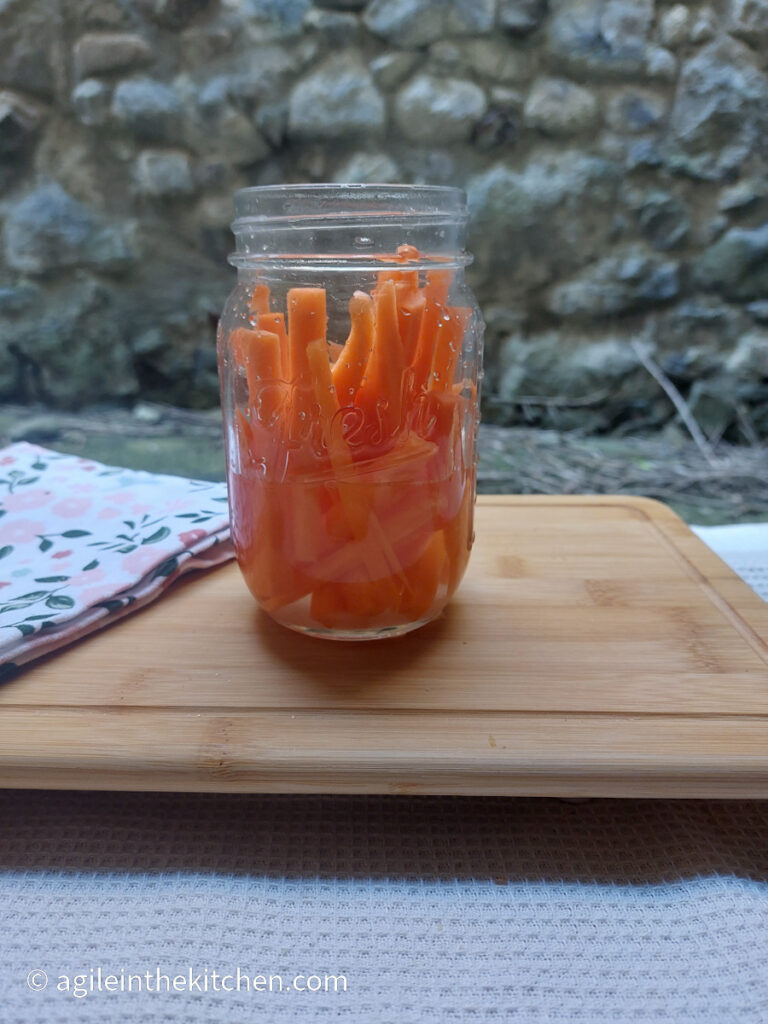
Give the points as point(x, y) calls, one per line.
point(596, 647)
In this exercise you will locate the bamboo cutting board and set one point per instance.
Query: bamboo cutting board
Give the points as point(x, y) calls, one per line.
point(595, 648)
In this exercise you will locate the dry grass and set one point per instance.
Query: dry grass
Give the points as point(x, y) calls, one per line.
point(730, 486)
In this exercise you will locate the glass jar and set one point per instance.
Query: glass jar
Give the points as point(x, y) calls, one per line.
point(349, 355)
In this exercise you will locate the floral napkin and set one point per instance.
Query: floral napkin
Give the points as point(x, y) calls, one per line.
point(82, 544)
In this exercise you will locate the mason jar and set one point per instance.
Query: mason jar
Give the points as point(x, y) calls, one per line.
point(349, 354)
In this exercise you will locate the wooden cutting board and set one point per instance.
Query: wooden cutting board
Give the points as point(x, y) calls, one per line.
point(595, 648)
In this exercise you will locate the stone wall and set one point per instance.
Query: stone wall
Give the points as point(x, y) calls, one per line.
point(614, 152)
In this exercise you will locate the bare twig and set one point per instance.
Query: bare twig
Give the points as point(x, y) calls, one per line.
point(747, 426)
point(677, 400)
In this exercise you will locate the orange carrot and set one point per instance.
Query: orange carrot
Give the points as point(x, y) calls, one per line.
point(423, 579)
point(433, 318)
point(328, 606)
point(350, 366)
point(381, 393)
point(328, 401)
point(306, 323)
point(260, 354)
point(259, 542)
point(308, 540)
point(259, 303)
point(438, 286)
point(404, 525)
point(275, 324)
point(355, 497)
point(238, 346)
point(400, 278)
point(353, 605)
point(406, 253)
point(411, 303)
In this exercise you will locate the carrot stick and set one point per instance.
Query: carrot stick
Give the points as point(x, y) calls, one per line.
point(349, 560)
point(351, 604)
point(438, 286)
point(306, 323)
point(326, 397)
point(423, 579)
point(405, 254)
point(421, 364)
point(309, 540)
point(350, 366)
point(381, 393)
point(353, 496)
point(406, 278)
point(409, 298)
point(262, 356)
point(238, 346)
point(259, 303)
point(259, 541)
point(328, 605)
point(275, 324)
point(411, 303)
point(259, 353)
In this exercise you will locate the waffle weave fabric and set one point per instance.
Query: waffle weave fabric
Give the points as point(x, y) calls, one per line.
point(433, 909)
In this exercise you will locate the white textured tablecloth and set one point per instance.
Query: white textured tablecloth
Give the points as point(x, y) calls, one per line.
point(434, 909)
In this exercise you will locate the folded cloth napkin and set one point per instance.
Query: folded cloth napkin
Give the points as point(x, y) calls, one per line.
point(744, 547)
point(82, 544)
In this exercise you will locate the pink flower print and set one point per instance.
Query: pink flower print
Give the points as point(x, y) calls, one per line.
point(109, 512)
point(91, 576)
point(190, 537)
point(3, 583)
point(176, 504)
point(61, 554)
point(7, 460)
point(71, 508)
point(143, 559)
point(23, 501)
point(140, 509)
point(20, 530)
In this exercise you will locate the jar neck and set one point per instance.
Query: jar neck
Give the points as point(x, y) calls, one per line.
point(367, 227)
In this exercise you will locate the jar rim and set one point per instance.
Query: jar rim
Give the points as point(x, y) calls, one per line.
point(338, 225)
point(317, 201)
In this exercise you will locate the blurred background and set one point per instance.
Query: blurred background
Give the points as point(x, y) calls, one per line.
point(614, 153)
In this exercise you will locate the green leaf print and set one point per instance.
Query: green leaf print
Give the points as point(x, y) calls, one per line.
point(158, 535)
